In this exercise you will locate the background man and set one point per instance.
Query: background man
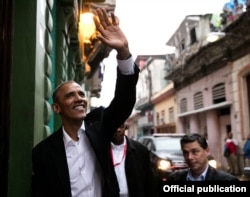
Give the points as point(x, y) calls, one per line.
point(196, 151)
point(132, 166)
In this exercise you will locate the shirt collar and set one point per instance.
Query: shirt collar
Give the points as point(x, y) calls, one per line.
point(199, 178)
point(119, 147)
point(68, 140)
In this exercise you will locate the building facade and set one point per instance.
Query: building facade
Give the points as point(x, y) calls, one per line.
point(207, 84)
point(212, 82)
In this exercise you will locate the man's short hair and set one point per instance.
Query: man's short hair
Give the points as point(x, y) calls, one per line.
point(55, 93)
point(194, 137)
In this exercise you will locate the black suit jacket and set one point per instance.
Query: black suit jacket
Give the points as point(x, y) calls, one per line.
point(212, 175)
point(50, 170)
point(138, 169)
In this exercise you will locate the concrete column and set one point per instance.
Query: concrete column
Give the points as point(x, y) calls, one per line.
point(194, 124)
point(214, 135)
point(180, 126)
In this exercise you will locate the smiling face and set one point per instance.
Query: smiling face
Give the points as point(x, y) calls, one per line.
point(196, 157)
point(70, 102)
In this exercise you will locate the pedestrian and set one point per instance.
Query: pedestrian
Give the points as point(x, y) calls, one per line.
point(196, 151)
point(232, 146)
point(74, 161)
point(246, 151)
point(132, 166)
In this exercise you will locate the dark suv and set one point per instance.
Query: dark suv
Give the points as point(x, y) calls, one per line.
point(165, 152)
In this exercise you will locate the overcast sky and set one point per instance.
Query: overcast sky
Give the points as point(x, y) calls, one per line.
point(148, 25)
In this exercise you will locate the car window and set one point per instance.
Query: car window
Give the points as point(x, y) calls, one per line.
point(150, 145)
point(141, 140)
point(144, 141)
point(170, 144)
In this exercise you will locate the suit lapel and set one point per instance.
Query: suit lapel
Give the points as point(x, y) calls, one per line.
point(60, 160)
point(99, 144)
point(210, 174)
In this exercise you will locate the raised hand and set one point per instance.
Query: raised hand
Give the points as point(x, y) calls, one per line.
point(110, 33)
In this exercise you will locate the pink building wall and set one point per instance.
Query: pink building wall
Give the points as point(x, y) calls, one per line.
point(207, 119)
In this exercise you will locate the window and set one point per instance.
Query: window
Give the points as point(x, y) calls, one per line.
point(219, 93)
point(162, 116)
point(157, 118)
point(171, 114)
point(183, 105)
point(193, 36)
point(182, 45)
point(198, 100)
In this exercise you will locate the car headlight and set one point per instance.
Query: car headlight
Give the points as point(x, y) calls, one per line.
point(164, 165)
point(212, 163)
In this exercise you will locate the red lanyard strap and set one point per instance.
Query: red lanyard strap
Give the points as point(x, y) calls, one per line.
point(123, 156)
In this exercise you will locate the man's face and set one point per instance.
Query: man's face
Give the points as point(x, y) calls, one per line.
point(195, 156)
point(71, 103)
point(119, 134)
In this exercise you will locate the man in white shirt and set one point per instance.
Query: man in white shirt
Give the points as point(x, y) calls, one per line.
point(132, 166)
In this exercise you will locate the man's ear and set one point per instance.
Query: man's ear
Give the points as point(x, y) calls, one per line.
point(56, 108)
point(208, 150)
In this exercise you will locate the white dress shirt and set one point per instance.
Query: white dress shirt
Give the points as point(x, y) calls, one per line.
point(119, 155)
point(199, 178)
point(126, 66)
point(84, 171)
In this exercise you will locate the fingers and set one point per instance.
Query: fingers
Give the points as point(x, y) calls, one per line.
point(97, 24)
point(115, 20)
point(105, 20)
